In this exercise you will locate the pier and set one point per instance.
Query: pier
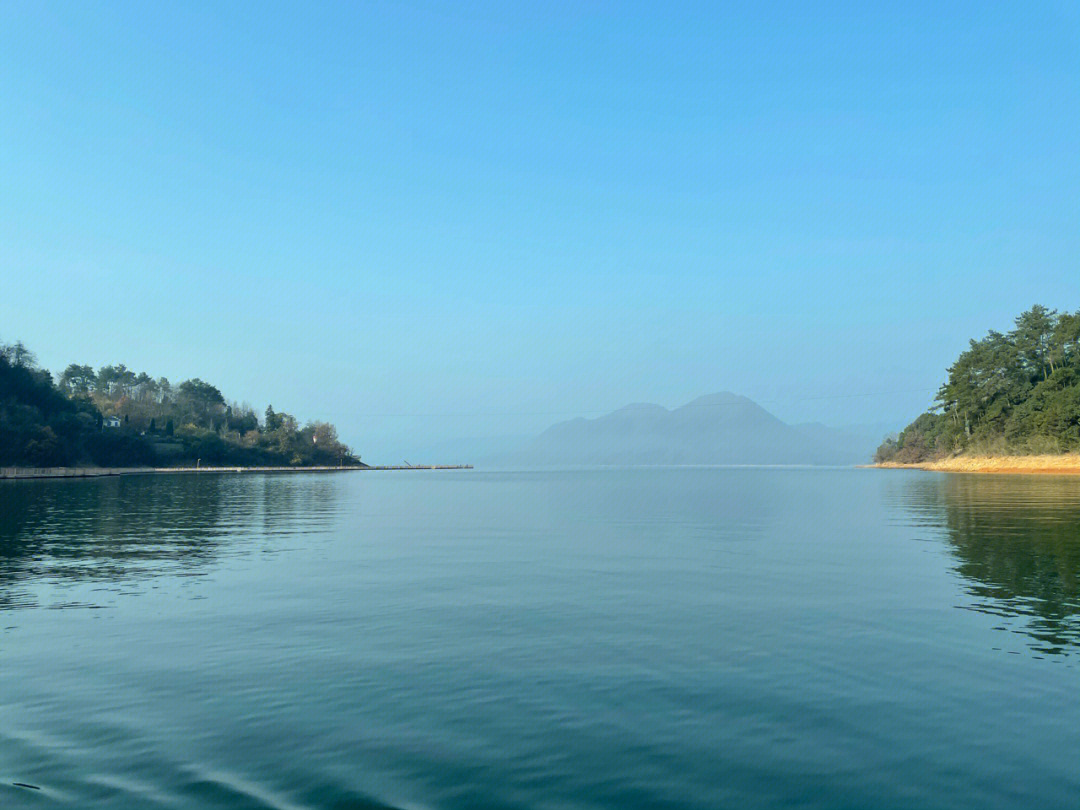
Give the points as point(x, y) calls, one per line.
point(103, 472)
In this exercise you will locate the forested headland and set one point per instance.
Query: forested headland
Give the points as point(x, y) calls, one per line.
point(112, 417)
point(1016, 392)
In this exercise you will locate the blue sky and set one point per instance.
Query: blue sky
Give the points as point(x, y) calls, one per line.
point(427, 221)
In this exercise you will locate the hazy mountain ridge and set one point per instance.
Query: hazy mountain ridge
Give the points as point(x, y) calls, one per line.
point(721, 428)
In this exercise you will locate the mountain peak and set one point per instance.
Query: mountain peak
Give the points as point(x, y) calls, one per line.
point(720, 428)
point(719, 398)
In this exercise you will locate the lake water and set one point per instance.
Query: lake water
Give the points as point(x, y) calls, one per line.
point(653, 638)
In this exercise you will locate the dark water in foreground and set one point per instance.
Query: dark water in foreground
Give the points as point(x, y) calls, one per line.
point(681, 638)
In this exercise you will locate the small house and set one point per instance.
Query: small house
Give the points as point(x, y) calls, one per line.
point(110, 422)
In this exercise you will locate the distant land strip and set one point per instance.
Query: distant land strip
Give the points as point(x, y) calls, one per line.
point(101, 472)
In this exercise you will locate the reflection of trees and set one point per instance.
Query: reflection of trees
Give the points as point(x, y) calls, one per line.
point(1017, 542)
point(297, 503)
point(109, 529)
point(132, 527)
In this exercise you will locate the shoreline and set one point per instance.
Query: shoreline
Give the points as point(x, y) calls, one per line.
point(28, 473)
point(1063, 464)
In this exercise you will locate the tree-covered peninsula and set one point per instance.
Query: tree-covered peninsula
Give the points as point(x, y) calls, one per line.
point(1016, 392)
point(114, 417)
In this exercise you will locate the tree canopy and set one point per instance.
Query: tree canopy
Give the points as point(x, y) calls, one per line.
point(43, 423)
point(1009, 392)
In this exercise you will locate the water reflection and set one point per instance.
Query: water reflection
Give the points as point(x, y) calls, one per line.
point(129, 528)
point(1016, 540)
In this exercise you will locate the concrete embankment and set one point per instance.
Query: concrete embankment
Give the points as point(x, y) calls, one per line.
point(1062, 464)
point(100, 472)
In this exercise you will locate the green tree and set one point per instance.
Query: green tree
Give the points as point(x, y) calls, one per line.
point(18, 355)
point(1033, 338)
point(1019, 391)
point(201, 401)
point(114, 381)
point(78, 380)
point(271, 420)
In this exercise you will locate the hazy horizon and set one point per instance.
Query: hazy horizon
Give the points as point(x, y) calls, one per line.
point(426, 223)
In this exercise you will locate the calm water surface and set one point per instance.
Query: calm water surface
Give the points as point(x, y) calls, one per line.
point(667, 638)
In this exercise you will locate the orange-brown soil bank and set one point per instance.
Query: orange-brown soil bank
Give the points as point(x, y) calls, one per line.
point(1063, 464)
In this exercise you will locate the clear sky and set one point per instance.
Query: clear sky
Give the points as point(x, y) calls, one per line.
point(434, 220)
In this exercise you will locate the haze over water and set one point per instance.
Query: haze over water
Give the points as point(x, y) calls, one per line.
point(680, 638)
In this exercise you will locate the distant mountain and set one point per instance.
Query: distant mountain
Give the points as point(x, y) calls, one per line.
point(719, 428)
